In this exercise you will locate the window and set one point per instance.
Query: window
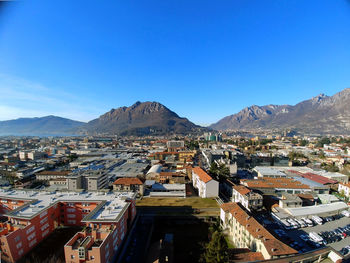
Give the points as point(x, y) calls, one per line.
point(31, 236)
point(30, 229)
point(43, 214)
point(42, 221)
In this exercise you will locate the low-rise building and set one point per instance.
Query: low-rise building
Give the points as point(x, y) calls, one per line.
point(263, 172)
point(128, 184)
point(49, 175)
point(246, 232)
point(206, 185)
point(290, 200)
point(277, 185)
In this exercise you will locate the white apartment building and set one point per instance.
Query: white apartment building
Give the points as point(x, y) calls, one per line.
point(206, 185)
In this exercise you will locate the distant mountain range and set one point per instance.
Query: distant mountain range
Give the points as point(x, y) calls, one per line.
point(49, 125)
point(139, 119)
point(319, 115)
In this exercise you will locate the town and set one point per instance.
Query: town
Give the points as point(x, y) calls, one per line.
point(224, 196)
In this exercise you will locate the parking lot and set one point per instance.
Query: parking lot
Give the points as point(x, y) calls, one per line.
point(293, 237)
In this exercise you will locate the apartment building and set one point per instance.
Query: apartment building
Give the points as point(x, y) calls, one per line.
point(90, 180)
point(241, 194)
point(32, 216)
point(204, 183)
point(246, 232)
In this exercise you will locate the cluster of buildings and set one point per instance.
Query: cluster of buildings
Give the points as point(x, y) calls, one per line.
point(28, 217)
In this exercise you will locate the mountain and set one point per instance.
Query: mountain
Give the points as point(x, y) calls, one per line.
point(140, 119)
point(320, 115)
point(48, 125)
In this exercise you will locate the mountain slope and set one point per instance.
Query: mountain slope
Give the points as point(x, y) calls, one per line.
point(140, 119)
point(321, 114)
point(48, 125)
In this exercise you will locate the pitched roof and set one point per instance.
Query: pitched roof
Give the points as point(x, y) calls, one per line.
point(268, 182)
point(241, 189)
point(318, 178)
point(273, 246)
point(203, 176)
point(128, 181)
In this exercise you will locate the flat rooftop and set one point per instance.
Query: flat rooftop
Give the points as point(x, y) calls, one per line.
point(129, 169)
point(266, 170)
point(317, 209)
point(110, 204)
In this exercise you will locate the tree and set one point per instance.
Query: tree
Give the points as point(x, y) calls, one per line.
point(217, 249)
point(323, 141)
point(220, 172)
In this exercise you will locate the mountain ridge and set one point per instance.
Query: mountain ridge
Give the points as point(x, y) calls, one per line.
point(46, 125)
point(141, 118)
point(320, 114)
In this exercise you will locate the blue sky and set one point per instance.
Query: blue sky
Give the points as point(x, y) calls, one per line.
point(202, 59)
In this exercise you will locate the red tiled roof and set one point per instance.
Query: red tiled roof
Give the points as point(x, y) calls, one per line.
point(241, 189)
point(128, 181)
point(202, 174)
point(318, 178)
point(273, 246)
point(6, 163)
point(245, 255)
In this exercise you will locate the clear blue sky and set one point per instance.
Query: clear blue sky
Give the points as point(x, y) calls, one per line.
point(202, 59)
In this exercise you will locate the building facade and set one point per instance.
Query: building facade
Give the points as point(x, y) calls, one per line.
point(246, 232)
point(204, 183)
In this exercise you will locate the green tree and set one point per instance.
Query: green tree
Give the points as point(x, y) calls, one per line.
point(220, 172)
point(304, 142)
point(323, 141)
point(217, 249)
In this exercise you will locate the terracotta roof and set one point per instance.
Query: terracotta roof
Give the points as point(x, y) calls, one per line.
point(273, 246)
point(306, 196)
point(128, 181)
point(241, 189)
point(245, 255)
point(268, 182)
point(203, 176)
point(8, 164)
point(347, 185)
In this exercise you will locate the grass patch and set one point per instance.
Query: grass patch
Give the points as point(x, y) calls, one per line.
point(194, 202)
